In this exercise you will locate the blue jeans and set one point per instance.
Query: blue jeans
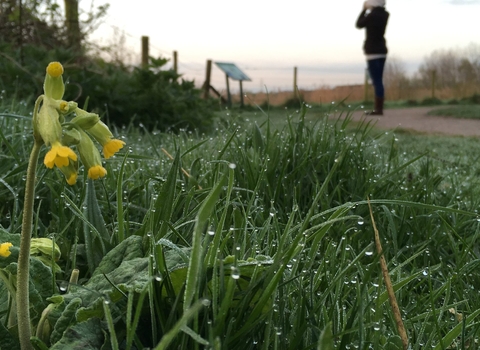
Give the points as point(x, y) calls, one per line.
point(375, 69)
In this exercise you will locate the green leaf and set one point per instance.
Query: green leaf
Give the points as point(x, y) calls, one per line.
point(394, 342)
point(8, 341)
point(98, 245)
point(130, 248)
point(40, 284)
point(195, 265)
point(179, 326)
point(164, 203)
point(456, 331)
point(66, 320)
point(86, 335)
point(326, 338)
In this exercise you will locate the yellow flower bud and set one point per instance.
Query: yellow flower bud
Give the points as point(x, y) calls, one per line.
point(53, 85)
point(5, 249)
point(65, 107)
point(55, 69)
point(84, 119)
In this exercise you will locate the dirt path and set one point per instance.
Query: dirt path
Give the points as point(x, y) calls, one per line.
point(417, 119)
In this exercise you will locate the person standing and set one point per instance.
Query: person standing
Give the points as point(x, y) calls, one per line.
point(374, 19)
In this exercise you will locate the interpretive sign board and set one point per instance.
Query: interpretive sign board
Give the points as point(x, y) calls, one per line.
point(232, 71)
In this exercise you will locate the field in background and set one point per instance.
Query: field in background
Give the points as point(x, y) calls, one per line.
point(349, 93)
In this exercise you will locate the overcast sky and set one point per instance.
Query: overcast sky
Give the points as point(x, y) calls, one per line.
point(267, 38)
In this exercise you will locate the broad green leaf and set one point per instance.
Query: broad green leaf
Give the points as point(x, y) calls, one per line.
point(86, 335)
point(66, 320)
point(7, 340)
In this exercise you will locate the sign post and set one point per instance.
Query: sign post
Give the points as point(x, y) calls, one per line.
point(232, 71)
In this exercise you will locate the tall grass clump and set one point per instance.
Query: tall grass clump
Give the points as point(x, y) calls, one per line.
point(250, 237)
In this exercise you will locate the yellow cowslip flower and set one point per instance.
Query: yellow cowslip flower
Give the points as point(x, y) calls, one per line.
point(112, 147)
point(5, 249)
point(59, 155)
point(70, 172)
point(97, 172)
point(103, 135)
point(90, 157)
point(72, 179)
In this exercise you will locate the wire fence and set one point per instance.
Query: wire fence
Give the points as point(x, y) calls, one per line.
point(275, 82)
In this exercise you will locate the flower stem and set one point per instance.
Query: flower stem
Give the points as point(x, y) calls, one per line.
point(23, 268)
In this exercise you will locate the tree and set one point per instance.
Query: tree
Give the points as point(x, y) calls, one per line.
point(458, 70)
point(395, 79)
point(72, 23)
point(42, 23)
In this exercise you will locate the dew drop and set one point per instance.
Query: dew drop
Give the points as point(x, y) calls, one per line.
point(235, 272)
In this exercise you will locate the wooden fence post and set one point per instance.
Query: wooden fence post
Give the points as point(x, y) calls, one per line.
point(434, 76)
point(175, 62)
point(295, 89)
point(229, 95)
point(144, 52)
point(206, 84)
point(241, 94)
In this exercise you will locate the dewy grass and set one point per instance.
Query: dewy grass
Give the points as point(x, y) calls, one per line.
point(267, 243)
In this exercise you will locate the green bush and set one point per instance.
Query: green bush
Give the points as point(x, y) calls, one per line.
point(150, 97)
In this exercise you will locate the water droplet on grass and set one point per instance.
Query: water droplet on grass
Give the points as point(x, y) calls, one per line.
point(235, 272)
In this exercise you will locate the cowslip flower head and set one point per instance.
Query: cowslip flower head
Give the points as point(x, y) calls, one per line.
point(104, 137)
point(5, 249)
point(52, 128)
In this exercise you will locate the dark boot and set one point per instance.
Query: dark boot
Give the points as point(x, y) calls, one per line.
point(378, 110)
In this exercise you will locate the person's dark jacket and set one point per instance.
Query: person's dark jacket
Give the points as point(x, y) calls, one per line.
point(375, 23)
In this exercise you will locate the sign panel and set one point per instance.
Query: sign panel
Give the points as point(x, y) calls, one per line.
point(232, 71)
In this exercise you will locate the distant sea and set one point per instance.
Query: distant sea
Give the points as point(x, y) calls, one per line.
point(280, 78)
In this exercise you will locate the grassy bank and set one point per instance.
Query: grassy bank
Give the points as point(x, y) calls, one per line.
point(255, 236)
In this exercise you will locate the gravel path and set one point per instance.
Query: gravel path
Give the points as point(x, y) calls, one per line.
point(417, 119)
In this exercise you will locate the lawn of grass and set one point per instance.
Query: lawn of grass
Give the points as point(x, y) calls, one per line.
point(458, 111)
point(257, 235)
